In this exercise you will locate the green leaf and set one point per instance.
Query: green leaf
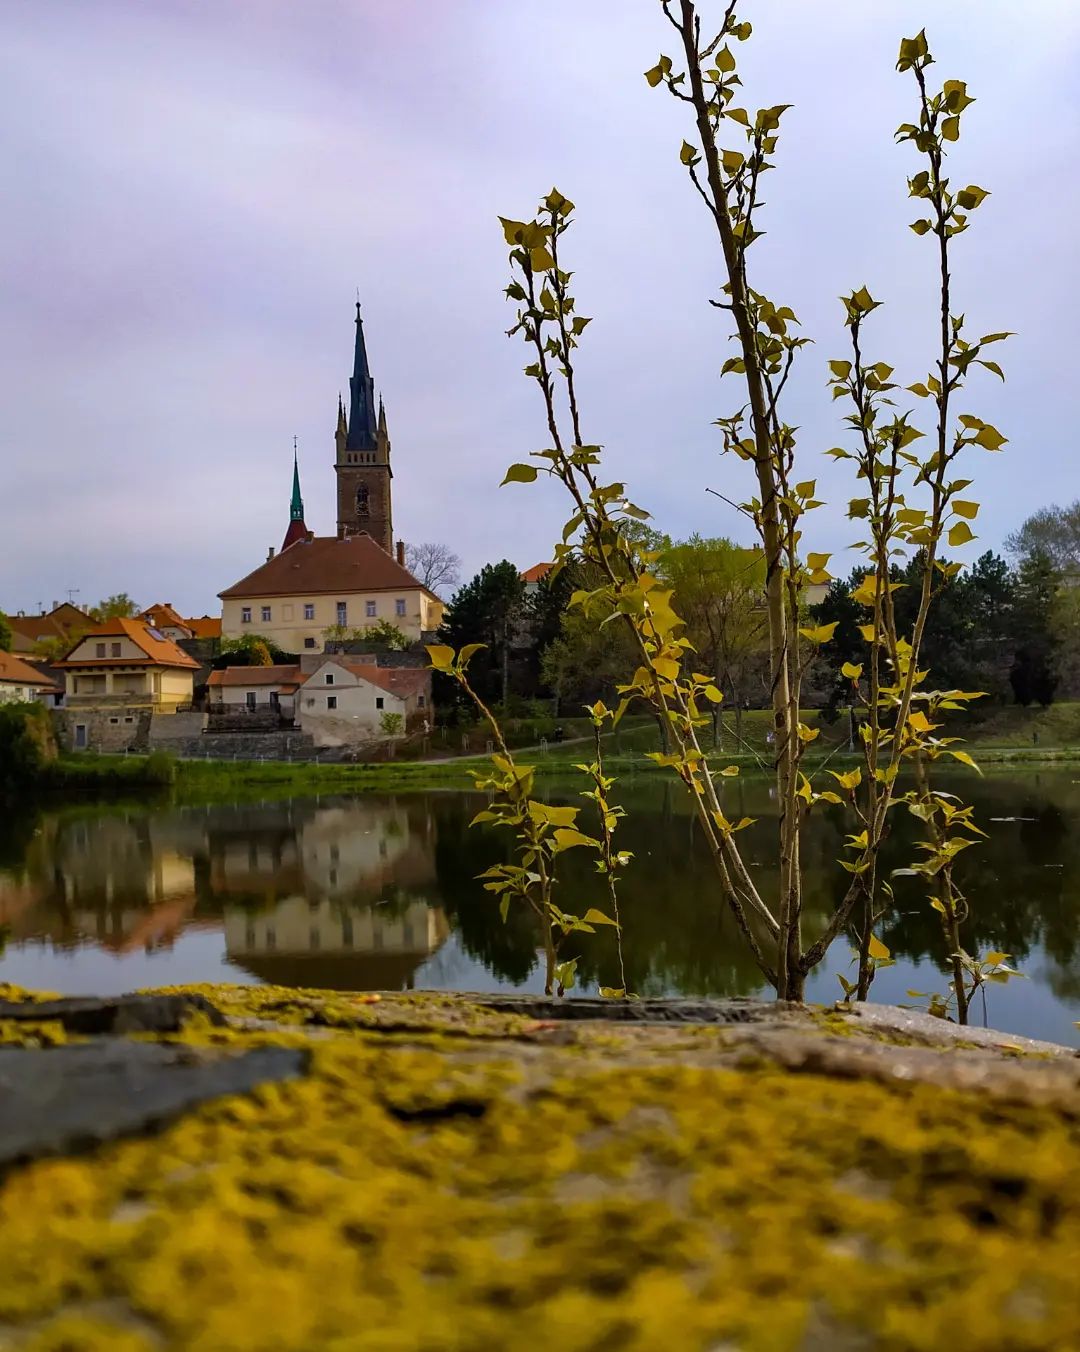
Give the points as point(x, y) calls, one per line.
point(654, 76)
point(440, 656)
point(688, 154)
point(920, 227)
point(971, 196)
point(840, 369)
point(467, 652)
point(950, 129)
point(613, 992)
point(877, 949)
point(968, 510)
point(960, 534)
point(851, 670)
point(595, 917)
point(520, 474)
point(725, 62)
point(862, 301)
point(566, 838)
point(990, 438)
point(822, 633)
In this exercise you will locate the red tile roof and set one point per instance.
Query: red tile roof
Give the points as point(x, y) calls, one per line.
point(537, 572)
point(400, 681)
point(158, 651)
point(205, 626)
point(164, 616)
point(254, 676)
point(326, 565)
point(15, 671)
point(58, 623)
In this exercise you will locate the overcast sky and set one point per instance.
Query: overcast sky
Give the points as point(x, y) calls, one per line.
point(194, 191)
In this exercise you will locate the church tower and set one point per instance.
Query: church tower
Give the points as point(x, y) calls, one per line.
point(297, 530)
point(362, 460)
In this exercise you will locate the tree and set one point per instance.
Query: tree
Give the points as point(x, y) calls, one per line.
point(435, 565)
point(249, 650)
point(719, 592)
point(120, 606)
point(383, 634)
point(1053, 532)
point(1034, 675)
point(490, 609)
point(6, 638)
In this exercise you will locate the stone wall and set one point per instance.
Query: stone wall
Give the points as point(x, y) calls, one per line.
point(108, 730)
point(166, 729)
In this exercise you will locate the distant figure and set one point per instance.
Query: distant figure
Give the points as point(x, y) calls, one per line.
point(559, 733)
point(427, 727)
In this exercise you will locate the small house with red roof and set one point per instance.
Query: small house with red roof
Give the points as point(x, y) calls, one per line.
point(22, 683)
point(130, 664)
point(342, 702)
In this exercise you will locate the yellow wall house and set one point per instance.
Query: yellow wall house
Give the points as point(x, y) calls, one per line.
point(127, 664)
point(319, 582)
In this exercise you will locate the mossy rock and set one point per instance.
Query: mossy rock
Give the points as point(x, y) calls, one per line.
point(461, 1175)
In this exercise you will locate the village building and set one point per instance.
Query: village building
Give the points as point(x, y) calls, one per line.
point(117, 675)
point(167, 620)
point(348, 581)
point(61, 624)
point(337, 700)
point(22, 683)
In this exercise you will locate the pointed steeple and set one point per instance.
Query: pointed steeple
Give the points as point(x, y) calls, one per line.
point(361, 434)
point(296, 507)
point(297, 530)
point(383, 434)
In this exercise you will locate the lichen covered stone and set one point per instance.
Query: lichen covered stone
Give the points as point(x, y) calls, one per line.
point(455, 1178)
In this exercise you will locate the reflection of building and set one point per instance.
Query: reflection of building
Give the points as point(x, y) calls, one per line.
point(321, 943)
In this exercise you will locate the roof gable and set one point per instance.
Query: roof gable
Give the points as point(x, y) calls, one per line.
point(14, 671)
point(324, 564)
point(155, 648)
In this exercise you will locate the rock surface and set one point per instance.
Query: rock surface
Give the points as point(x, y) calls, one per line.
point(67, 1099)
point(458, 1175)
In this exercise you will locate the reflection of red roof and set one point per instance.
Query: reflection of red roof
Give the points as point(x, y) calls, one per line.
point(14, 669)
point(157, 650)
point(537, 572)
point(205, 626)
point(285, 677)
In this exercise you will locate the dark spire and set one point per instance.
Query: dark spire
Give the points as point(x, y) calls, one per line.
point(362, 396)
point(382, 420)
point(296, 507)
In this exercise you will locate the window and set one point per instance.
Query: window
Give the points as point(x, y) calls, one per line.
point(309, 643)
point(419, 701)
point(329, 678)
point(99, 649)
point(362, 506)
point(114, 720)
point(378, 701)
point(331, 701)
point(342, 612)
point(399, 608)
point(129, 720)
point(369, 609)
point(275, 699)
point(309, 610)
point(266, 614)
point(250, 699)
point(116, 650)
point(245, 614)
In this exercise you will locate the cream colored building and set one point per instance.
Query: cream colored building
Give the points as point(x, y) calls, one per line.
point(342, 701)
point(126, 663)
point(321, 582)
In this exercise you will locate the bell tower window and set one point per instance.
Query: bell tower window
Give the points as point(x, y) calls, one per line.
point(363, 507)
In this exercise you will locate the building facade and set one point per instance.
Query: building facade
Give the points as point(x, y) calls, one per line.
point(20, 683)
point(327, 582)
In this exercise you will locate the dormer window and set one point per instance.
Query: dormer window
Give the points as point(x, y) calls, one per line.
point(329, 678)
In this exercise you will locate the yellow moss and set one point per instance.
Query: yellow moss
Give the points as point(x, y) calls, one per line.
point(33, 1033)
point(413, 1195)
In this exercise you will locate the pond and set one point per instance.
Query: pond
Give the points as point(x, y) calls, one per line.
point(380, 893)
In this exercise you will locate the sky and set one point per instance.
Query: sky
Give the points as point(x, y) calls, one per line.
point(194, 192)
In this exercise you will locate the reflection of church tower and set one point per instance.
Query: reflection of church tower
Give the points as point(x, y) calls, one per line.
point(363, 457)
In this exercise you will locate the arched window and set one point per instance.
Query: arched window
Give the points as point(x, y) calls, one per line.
point(362, 508)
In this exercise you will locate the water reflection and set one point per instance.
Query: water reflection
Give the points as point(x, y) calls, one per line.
point(380, 893)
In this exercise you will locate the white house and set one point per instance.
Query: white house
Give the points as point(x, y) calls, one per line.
point(342, 702)
point(21, 683)
point(256, 687)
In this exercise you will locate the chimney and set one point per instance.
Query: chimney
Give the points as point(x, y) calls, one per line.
point(269, 553)
point(55, 604)
point(401, 552)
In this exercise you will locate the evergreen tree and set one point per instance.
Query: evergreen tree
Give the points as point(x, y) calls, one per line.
point(490, 609)
point(1034, 675)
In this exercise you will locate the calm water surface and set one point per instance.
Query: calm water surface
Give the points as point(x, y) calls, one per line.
point(379, 893)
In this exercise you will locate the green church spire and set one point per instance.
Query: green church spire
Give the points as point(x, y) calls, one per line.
point(296, 507)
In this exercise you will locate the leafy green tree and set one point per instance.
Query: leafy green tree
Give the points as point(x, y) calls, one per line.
point(1034, 676)
point(120, 606)
point(5, 634)
point(249, 650)
point(720, 594)
point(490, 609)
point(1053, 532)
